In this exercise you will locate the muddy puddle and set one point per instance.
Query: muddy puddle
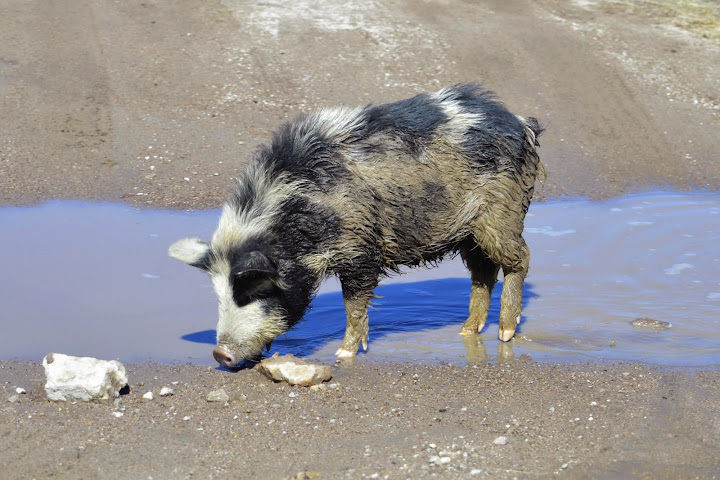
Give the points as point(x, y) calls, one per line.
point(95, 279)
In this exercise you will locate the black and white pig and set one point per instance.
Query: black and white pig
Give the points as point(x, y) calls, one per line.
point(359, 192)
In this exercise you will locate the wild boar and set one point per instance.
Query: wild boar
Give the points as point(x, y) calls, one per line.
point(357, 193)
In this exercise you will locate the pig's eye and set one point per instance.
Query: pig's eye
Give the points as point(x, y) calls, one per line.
point(250, 287)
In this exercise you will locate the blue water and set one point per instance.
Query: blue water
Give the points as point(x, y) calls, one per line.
point(95, 280)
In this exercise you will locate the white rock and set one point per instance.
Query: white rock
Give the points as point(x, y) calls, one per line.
point(20, 390)
point(14, 399)
point(82, 378)
point(118, 414)
point(294, 371)
point(166, 392)
point(149, 396)
point(218, 396)
point(500, 441)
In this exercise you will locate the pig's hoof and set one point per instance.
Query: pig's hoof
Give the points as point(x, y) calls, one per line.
point(466, 333)
point(506, 334)
point(342, 353)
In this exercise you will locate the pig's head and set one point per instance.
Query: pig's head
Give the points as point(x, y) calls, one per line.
point(251, 297)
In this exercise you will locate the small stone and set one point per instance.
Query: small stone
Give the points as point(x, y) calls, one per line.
point(166, 392)
point(20, 390)
point(651, 324)
point(118, 414)
point(148, 396)
point(14, 399)
point(500, 440)
point(294, 371)
point(292, 395)
point(317, 388)
point(218, 396)
point(186, 418)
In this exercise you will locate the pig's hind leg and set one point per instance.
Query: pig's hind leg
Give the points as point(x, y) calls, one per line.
point(515, 264)
point(484, 273)
point(506, 248)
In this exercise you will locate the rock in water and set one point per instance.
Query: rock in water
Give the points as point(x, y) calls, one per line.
point(294, 371)
point(651, 324)
point(82, 378)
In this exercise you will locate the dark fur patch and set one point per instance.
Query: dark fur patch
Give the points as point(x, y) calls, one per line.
point(304, 153)
point(413, 121)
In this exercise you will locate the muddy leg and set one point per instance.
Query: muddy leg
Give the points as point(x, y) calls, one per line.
point(357, 329)
point(357, 290)
point(483, 272)
point(511, 299)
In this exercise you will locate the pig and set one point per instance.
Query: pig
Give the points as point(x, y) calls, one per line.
point(359, 192)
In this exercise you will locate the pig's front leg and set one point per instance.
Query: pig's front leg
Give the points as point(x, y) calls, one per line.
point(357, 329)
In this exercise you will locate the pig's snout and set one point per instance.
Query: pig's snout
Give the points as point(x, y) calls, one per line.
point(223, 357)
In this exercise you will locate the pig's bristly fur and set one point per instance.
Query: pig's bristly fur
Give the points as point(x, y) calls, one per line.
point(359, 192)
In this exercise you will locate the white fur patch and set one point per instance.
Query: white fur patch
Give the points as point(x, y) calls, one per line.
point(237, 226)
point(189, 250)
point(241, 324)
point(459, 121)
point(336, 123)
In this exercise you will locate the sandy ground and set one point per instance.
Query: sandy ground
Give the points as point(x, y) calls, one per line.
point(157, 104)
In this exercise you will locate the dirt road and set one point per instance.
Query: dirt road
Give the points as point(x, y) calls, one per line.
point(158, 104)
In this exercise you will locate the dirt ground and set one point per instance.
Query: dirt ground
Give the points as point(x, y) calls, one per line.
point(157, 104)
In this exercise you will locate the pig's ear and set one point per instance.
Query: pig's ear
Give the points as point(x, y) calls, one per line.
point(254, 265)
point(192, 251)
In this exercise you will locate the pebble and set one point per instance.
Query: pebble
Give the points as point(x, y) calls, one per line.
point(118, 414)
point(317, 388)
point(218, 396)
point(166, 392)
point(437, 460)
point(500, 440)
point(14, 399)
point(20, 390)
point(148, 396)
point(651, 323)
